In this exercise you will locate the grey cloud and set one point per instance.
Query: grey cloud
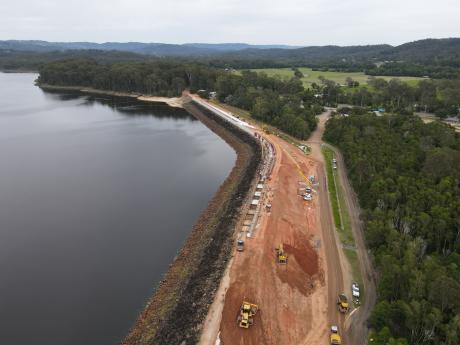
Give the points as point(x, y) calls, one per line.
point(300, 22)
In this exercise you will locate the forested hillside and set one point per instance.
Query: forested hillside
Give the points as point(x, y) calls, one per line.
point(33, 61)
point(407, 177)
point(436, 58)
point(282, 103)
point(157, 49)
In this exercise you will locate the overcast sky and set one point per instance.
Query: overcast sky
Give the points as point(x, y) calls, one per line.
point(297, 22)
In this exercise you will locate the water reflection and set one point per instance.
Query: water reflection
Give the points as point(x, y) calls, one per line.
point(124, 105)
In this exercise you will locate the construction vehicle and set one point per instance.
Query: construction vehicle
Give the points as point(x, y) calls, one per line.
point(335, 337)
point(240, 245)
point(342, 303)
point(246, 315)
point(281, 255)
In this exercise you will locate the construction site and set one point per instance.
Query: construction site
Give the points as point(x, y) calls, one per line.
point(277, 273)
point(287, 276)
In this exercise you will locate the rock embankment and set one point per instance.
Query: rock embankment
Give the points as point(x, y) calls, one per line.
point(176, 311)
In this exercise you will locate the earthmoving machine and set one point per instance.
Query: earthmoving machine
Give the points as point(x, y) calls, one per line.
point(281, 255)
point(335, 337)
point(246, 315)
point(342, 303)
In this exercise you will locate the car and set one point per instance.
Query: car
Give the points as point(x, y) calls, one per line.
point(307, 197)
point(355, 290)
point(308, 190)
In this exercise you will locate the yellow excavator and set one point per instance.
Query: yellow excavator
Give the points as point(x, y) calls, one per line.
point(246, 315)
point(342, 303)
point(281, 255)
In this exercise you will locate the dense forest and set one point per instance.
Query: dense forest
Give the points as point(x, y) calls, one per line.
point(282, 103)
point(407, 177)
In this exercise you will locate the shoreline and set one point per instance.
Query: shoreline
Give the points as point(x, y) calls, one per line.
point(175, 102)
point(177, 308)
point(176, 312)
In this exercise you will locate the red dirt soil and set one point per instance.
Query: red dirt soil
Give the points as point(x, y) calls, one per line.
point(292, 298)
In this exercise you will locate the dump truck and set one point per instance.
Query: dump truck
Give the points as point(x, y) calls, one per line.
point(281, 255)
point(246, 314)
point(335, 337)
point(240, 245)
point(342, 303)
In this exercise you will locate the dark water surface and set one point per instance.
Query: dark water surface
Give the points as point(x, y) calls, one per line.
point(96, 197)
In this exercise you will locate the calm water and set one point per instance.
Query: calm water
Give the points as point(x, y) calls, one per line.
point(96, 197)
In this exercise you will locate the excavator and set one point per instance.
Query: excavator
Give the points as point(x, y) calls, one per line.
point(246, 315)
point(342, 303)
point(281, 255)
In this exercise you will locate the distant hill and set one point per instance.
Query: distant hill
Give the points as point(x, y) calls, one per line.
point(419, 51)
point(436, 58)
point(440, 50)
point(314, 52)
point(158, 49)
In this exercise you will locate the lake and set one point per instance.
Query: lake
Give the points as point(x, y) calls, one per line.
point(97, 195)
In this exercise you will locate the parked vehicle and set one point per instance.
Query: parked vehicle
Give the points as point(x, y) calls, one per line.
point(335, 337)
point(355, 290)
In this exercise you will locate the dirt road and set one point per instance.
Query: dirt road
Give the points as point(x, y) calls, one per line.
point(357, 324)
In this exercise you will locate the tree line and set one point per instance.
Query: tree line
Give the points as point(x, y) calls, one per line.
point(441, 97)
point(282, 103)
point(407, 177)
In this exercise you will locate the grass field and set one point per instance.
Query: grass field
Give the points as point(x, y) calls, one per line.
point(331, 186)
point(311, 76)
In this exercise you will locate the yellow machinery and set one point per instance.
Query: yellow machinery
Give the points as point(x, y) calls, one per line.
point(335, 337)
point(281, 255)
point(246, 315)
point(342, 303)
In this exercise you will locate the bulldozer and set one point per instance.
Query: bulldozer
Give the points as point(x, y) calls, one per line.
point(246, 315)
point(281, 255)
point(342, 303)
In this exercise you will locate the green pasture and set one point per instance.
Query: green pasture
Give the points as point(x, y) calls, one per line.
point(311, 76)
